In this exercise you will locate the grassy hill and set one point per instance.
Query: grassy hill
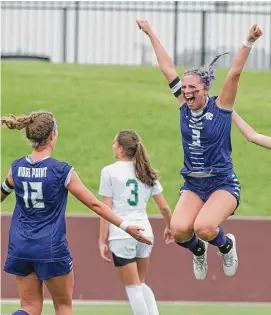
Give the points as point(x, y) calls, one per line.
point(92, 103)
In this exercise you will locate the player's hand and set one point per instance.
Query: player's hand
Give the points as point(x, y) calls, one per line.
point(144, 26)
point(168, 238)
point(134, 231)
point(254, 33)
point(104, 252)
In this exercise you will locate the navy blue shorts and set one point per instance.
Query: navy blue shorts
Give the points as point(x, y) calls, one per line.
point(204, 187)
point(43, 270)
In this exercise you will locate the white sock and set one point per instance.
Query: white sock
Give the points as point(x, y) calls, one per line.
point(136, 299)
point(150, 300)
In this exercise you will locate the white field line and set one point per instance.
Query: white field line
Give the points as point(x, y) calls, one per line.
point(168, 303)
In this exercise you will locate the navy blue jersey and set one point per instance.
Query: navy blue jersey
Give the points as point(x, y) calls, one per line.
point(38, 229)
point(206, 137)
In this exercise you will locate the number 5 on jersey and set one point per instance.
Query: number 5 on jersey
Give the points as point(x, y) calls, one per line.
point(133, 200)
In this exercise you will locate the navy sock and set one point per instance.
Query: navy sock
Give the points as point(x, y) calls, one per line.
point(227, 247)
point(195, 245)
point(220, 239)
point(223, 242)
point(20, 312)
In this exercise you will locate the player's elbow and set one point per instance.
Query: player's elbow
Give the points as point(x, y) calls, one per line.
point(235, 73)
point(96, 206)
point(252, 137)
point(3, 197)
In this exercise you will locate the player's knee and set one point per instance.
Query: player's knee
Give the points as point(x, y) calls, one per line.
point(62, 302)
point(180, 231)
point(33, 307)
point(205, 231)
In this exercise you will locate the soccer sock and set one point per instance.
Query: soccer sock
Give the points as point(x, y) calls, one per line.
point(136, 299)
point(224, 249)
point(195, 245)
point(20, 312)
point(150, 300)
point(223, 242)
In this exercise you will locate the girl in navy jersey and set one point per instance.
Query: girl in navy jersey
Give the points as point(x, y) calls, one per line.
point(211, 190)
point(38, 250)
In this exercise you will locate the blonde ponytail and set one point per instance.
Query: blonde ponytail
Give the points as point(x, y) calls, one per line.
point(18, 123)
point(38, 126)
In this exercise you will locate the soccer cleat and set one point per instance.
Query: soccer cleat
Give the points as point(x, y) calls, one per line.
point(230, 260)
point(200, 264)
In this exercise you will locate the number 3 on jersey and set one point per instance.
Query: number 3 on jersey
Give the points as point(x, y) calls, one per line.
point(33, 193)
point(133, 200)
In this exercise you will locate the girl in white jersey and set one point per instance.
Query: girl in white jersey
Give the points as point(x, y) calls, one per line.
point(126, 187)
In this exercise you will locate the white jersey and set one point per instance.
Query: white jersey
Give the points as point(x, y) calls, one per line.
point(129, 195)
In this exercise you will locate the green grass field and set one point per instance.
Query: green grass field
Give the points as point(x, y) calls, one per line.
point(92, 103)
point(163, 309)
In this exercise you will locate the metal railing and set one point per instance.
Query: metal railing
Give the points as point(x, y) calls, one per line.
point(100, 32)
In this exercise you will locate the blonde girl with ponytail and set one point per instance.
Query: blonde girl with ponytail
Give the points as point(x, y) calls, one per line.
point(38, 251)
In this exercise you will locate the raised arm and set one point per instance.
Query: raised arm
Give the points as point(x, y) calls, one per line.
point(229, 91)
point(249, 133)
point(79, 190)
point(7, 187)
point(164, 60)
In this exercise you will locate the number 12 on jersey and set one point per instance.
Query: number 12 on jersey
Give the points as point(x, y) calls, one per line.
point(133, 200)
point(33, 193)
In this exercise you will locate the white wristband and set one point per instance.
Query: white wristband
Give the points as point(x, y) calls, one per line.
point(123, 226)
point(248, 43)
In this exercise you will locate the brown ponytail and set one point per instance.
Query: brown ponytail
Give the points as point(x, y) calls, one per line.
point(38, 126)
point(135, 149)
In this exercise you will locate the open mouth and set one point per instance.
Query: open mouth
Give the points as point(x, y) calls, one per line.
point(190, 100)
